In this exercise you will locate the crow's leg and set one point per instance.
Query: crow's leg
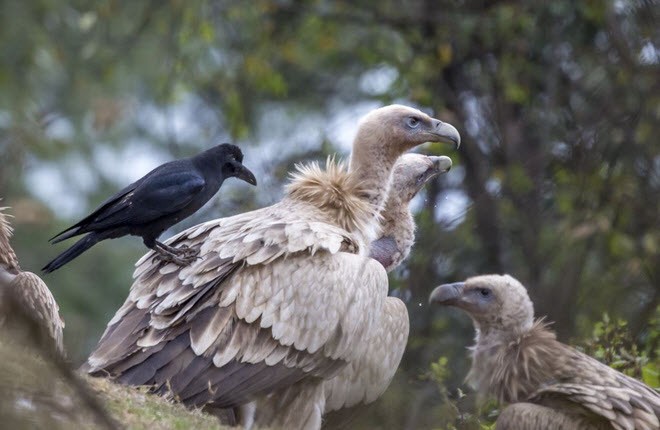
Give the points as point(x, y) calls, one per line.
point(182, 256)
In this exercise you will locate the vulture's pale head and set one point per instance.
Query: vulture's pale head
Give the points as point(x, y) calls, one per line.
point(495, 302)
point(394, 129)
point(412, 171)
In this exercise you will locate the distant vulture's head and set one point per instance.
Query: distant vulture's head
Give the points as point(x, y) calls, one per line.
point(412, 171)
point(495, 302)
point(230, 157)
point(394, 129)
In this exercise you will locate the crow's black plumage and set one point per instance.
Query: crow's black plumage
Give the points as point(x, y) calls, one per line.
point(155, 202)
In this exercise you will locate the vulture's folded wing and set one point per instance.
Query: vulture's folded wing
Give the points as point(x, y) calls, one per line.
point(271, 300)
point(367, 378)
point(622, 407)
point(526, 416)
point(587, 383)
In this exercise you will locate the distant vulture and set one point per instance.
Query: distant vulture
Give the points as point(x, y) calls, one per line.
point(366, 379)
point(152, 204)
point(282, 296)
point(27, 290)
point(548, 384)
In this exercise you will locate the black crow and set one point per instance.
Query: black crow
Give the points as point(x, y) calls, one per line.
point(155, 202)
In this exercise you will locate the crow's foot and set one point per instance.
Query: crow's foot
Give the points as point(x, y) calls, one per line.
point(183, 255)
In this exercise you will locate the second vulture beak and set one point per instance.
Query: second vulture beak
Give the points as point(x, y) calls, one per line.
point(245, 174)
point(447, 294)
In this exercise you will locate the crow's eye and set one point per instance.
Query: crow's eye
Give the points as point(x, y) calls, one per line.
point(413, 122)
point(485, 292)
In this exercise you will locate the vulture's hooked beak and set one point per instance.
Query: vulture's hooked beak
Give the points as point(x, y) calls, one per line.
point(445, 133)
point(245, 174)
point(441, 164)
point(447, 294)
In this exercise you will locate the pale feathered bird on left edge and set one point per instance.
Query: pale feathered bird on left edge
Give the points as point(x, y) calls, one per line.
point(281, 296)
point(27, 289)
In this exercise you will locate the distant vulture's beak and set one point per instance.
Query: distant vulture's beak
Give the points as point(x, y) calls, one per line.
point(245, 174)
point(441, 164)
point(447, 294)
point(445, 133)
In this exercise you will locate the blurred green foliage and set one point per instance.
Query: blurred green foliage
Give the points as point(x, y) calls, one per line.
point(612, 343)
point(557, 181)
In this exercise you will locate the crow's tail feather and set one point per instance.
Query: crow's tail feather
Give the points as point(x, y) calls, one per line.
point(78, 248)
point(65, 234)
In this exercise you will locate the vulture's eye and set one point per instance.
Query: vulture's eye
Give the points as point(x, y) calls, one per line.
point(485, 292)
point(413, 122)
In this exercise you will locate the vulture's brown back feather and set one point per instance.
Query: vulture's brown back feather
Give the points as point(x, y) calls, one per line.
point(27, 289)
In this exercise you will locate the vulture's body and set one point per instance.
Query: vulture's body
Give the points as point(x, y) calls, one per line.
point(25, 289)
point(365, 379)
point(281, 296)
point(548, 384)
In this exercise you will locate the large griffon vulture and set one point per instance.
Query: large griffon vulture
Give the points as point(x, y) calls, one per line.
point(280, 296)
point(27, 290)
point(365, 379)
point(548, 384)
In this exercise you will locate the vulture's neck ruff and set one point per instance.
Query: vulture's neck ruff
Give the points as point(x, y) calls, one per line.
point(337, 192)
point(513, 365)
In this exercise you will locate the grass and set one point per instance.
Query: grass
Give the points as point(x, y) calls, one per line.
point(136, 409)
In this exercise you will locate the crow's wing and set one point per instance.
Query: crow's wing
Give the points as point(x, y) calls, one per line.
point(164, 191)
point(160, 196)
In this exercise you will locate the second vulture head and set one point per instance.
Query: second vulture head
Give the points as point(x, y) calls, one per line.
point(495, 302)
point(412, 171)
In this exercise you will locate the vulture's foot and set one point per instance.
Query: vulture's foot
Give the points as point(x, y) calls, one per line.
point(183, 255)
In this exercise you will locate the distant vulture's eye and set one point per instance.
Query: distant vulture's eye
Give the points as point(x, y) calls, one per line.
point(413, 122)
point(485, 292)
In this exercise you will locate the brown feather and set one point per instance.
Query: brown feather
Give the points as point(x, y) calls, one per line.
point(27, 289)
point(8, 259)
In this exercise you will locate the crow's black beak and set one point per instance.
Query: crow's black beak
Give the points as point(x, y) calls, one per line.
point(245, 174)
point(447, 294)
